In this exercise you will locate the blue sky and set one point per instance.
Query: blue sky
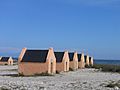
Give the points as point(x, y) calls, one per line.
point(92, 26)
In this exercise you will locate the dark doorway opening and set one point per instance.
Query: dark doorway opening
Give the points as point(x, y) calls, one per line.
point(66, 66)
point(51, 67)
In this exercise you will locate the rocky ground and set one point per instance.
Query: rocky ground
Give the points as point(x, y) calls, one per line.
point(82, 79)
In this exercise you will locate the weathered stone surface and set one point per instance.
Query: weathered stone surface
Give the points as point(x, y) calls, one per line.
point(82, 79)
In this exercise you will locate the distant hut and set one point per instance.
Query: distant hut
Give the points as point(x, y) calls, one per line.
point(6, 61)
point(91, 61)
point(73, 61)
point(87, 60)
point(32, 62)
point(62, 61)
point(81, 61)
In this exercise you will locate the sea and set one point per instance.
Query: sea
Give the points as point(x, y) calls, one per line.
point(111, 62)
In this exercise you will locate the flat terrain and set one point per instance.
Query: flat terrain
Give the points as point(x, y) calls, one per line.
point(82, 79)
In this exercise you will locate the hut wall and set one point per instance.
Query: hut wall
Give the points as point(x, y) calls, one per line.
point(28, 68)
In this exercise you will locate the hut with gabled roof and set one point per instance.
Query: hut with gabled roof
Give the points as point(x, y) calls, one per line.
point(33, 62)
point(81, 61)
point(87, 60)
point(62, 61)
point(91, 61)
point(6, 61)
point(73, 61)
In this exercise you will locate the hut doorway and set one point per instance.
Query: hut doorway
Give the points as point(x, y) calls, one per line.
point(11, 62)
point(51, 67)
point(66, 66)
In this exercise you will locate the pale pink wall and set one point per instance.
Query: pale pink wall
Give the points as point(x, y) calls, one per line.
point(26, 68)
point(21, 55)
point(66, 59)
point(81, 64)
point(60, 67)
point(51, 59)
point(71, 65)
point(87, 60)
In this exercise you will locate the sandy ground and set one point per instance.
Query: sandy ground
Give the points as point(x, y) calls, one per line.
point(82, 79)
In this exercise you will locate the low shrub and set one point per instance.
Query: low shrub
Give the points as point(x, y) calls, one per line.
point(4, 88)
point(57, 72)
point(43, 74)
point(5, 64)
point(20, 74)
point(113, 85)
point(70, 69)
point(89, 66)
point(107, 68)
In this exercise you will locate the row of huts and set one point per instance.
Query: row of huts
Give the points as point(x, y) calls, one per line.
point(32, 62)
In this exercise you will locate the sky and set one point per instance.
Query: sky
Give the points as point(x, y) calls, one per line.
point(89, 26)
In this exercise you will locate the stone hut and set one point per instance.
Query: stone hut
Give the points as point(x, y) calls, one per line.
point(62, 61)
point(91, 61)
point(73, 61)
point(6, 61)
point(34, 62)
point(81, 61)
point(87, 60)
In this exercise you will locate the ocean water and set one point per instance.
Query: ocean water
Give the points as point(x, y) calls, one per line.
point(112, 62)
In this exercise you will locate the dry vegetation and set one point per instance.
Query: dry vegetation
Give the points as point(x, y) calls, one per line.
point(107, 68)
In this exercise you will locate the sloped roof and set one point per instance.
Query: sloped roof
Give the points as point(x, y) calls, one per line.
point(71, 56)
point(4, 59)
point(90, 58)
point(35, 56)
point(59, 56)
point(79, 57)
point(85, 58)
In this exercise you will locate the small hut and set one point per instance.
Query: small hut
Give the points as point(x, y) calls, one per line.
point(73, 61)
point(6, 61)
point(91, 61)
point(81, 61)
point(87, 60)
point(62, 61)
point(33, 62)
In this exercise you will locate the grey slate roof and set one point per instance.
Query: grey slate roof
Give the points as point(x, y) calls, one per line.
point(59, 56)
point(85, 58)
point(79, 57)
point(90, 58)
point(35, 56)
point(4, 59)
point(71, 55)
